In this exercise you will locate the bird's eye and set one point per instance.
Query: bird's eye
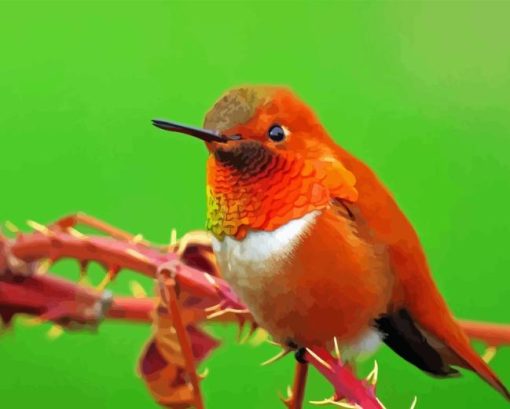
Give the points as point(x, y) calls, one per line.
point(276, 133)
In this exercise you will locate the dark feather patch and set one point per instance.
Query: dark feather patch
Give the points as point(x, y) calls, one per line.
point(403, 336)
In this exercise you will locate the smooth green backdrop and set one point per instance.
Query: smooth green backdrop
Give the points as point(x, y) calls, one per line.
point(421, 91)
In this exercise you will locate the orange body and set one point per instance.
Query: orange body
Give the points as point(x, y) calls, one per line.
point(313, 242)
point(337, 281)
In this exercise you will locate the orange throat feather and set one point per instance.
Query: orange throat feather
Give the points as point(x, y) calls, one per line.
point(252, 187)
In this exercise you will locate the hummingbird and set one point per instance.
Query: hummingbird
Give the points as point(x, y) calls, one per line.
point(314, 243)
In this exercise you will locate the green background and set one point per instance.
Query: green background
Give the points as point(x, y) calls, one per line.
point(421, 91)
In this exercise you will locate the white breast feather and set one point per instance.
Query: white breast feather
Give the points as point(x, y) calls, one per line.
point(260, 251)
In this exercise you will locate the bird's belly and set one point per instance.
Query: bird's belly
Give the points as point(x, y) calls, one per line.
point(254, 266)
point(299, 291)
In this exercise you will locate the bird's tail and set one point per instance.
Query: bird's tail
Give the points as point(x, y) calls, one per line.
point(474, 362)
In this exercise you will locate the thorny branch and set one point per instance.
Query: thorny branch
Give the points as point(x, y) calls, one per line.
point(189, 290)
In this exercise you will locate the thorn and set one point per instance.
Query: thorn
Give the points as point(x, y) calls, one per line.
point(413, 404)
point(12, 227)
point(373, 375)
point(289, 392)
point(54, 332)
point(240, 338)
point(287, 401)
point(323, 402)
point(137, 290)
point(380, 403)
point(215, 314)
point(275, 358)
point(254, 336)
point(204, 374)
point(241, 321)
point(108, 278)
point(30, 321)
point(215, 307)
point(225, 311)
point(259, 337)
point(137, 239)
point(183, 243)
point(104, 282)
point(174, 345)
point(337, 349)
point(211, 280)
point(76, 234)
point(318, 358)
point(83, 280)
point(44, 266)
point(489, 354)
point(137, 255)
point(40, 228)
point(270, 341)
point(331, 401)
point(173, 238)
point(346, 405)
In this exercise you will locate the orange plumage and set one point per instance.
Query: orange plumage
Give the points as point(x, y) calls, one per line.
point(314, 243)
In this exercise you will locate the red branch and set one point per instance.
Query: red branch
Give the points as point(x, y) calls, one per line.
point(343, 380)
point(492, 334)
point(52, 299)
point(131, 309)
point(23, 290)
point(116, 255)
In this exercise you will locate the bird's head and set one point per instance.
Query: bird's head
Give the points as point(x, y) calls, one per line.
point(270, 160)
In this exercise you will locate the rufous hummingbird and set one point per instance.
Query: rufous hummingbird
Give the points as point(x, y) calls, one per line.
point(314, 243)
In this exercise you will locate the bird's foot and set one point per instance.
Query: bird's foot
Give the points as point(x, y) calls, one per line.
point(300, 355)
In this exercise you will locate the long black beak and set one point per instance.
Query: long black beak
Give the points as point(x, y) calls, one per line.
point(204, 134)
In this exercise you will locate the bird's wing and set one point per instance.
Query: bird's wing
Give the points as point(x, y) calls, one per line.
point(403, 336)
point(415, 291)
